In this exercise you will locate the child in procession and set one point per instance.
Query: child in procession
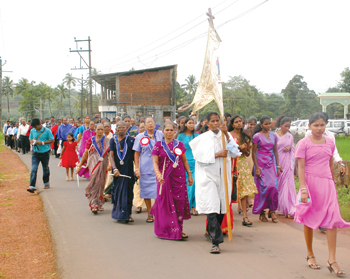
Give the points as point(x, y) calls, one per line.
point(69, 155)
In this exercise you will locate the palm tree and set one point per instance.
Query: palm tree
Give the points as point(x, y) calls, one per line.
point(46, 93)
point(62, 92)
point(8, 89)
point(191, 84)
point(69, 81)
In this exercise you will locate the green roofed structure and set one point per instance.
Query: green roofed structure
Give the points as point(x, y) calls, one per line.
point(335, 97)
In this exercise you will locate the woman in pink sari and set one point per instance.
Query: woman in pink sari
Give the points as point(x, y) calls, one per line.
point(286, 185)
point(171, 206)
point(88, 133)
point(95, 153)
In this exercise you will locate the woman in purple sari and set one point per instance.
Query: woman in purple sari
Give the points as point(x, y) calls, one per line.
point(171, 206)
point(266, 170)
point(287, 195)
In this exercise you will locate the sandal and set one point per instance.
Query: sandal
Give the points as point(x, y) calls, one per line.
point(215, 249)
point(274, 219)
point(71, 179)
point(339, 273)
point(184, 235)
point(67, 178)
point(94, 209)
point(47, 187)
point(195, 212)
point(101, 209)
point(208, 236)
point(262, 217)
point(246, 223)
point(312, 266)
point(138, 210)
point(31, 190)
point(131, 219)
point(150, 219)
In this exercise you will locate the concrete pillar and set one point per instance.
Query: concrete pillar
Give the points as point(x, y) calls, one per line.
point(345, 111)
point(324, 108)
point(102, 96)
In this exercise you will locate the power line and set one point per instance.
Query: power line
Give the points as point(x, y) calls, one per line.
point(159, 55)
point(119, 64)
point(242, 14)
point(163, 36)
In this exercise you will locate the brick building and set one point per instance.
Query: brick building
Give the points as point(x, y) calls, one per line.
point(140, 93)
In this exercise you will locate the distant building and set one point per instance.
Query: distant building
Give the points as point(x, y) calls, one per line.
point(140, 93)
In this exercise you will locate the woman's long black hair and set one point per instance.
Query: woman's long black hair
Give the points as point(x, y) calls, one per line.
point(184, 128)
point(244, 136)
point(281, 120)
point(200, 126)
point(258, 128)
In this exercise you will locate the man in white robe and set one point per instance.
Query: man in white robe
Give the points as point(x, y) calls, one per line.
point(210, 188)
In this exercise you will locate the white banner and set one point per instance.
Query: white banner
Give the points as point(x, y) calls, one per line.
point(209, 86)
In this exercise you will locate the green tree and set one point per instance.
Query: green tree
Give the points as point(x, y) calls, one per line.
point(69, 80)
point(180, 96)
point(46, 92)
point(240, 97)
point(61, 91)
point(190, 86)
point(273, 104)
point(344, 83)
point(8, 89)
point(300, 100)
point(27, 91)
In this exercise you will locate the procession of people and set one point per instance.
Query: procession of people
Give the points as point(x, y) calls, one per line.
point(176, 169)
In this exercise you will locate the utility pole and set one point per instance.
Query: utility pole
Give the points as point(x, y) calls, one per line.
point(1, 89)
point(81, 81)
point(81, 96)
point(87, 65)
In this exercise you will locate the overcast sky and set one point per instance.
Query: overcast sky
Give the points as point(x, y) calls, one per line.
point(267, 46)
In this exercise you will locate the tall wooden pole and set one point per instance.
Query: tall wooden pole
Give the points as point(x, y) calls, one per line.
point(227, 198)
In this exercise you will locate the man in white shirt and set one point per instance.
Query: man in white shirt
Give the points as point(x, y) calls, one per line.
point(46, 122)
point(24, 139)
point(210, 191)
point(4, 130)
point(9, 134)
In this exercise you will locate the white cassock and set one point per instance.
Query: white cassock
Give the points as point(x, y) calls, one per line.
point(210, 185)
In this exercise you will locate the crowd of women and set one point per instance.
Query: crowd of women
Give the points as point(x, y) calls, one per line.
point(177, 172)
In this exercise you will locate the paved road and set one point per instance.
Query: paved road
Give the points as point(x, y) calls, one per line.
point(95, 246)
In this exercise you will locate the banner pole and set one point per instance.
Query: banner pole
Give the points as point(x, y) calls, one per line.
point(228, 211)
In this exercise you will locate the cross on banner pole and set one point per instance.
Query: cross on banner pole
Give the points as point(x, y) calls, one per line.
point(228, 212)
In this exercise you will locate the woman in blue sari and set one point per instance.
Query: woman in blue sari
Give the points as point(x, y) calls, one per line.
point(185, 135)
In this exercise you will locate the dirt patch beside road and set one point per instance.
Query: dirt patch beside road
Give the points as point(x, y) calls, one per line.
point(26, 249)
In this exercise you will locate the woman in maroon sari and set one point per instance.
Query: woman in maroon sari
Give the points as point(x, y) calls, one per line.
point(96, 151)
point(171, 206)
